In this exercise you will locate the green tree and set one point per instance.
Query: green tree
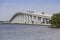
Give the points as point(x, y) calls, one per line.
point(55, 20)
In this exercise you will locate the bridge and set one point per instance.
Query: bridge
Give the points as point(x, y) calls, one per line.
point(30, 18)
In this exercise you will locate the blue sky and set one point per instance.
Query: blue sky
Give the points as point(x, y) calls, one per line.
point(9, 7)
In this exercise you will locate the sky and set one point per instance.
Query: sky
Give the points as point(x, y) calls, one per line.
point(9, 7)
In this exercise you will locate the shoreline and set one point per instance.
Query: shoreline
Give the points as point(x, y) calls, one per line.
point(25, 24)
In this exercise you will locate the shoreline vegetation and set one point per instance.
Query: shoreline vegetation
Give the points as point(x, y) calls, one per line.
point(55, 21)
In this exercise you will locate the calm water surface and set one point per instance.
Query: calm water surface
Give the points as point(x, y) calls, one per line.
point(28, 32)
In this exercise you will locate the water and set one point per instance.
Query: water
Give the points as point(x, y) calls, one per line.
point(28, 32)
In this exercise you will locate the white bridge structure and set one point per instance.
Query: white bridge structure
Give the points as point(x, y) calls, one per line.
point(30, 18)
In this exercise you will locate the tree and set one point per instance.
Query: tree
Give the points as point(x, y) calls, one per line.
point(55, 20)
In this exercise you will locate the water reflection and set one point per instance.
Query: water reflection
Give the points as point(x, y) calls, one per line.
point(28, 32)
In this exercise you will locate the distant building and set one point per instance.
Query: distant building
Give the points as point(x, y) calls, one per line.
point(30, 18)
point(4, 22)
point(1, 21)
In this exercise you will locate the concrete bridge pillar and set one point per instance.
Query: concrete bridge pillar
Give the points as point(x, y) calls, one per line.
point(41, 20)
point(45, 20)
